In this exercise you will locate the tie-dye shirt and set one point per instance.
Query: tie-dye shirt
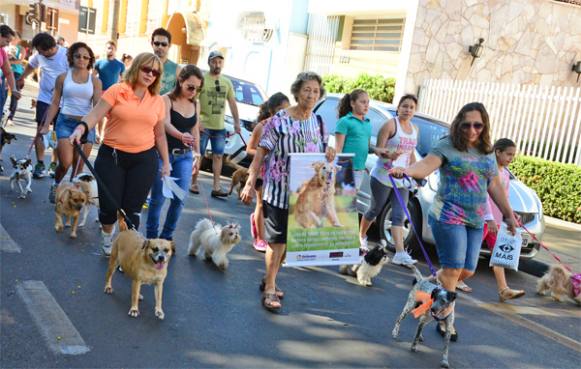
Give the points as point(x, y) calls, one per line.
point(463, 188)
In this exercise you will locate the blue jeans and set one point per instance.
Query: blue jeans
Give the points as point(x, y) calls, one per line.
point(182, 170)
point(65, 126)
point(458, 246)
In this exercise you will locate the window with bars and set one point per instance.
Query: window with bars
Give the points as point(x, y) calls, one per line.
point(87, 20)
point(381, 34)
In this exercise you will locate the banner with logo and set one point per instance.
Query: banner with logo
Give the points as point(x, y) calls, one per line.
point(323, 225)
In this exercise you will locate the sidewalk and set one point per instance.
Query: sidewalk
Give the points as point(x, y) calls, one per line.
point(564, 239)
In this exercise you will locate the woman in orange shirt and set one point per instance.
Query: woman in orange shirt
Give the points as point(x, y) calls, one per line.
point(127, 161)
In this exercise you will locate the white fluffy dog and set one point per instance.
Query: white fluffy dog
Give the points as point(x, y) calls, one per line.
point(91, 192)
point(215, 240)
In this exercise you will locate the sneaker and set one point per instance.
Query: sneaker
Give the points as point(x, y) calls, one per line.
point(403, 258)
point(260, 245)
point(52, 193)
point(39, 171)
point(51, 169)
point(107, 241)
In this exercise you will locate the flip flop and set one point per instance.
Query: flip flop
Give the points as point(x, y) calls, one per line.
point(194, 189)
point(279, 292)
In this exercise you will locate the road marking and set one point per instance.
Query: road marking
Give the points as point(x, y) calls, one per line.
point(531, 310)
point(7, 244)
point(528, 324)
point(60, 334)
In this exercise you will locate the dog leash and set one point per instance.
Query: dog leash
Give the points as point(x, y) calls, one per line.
point(31, 145)
point(405, 209)
point(102, 186)
point(555, 256)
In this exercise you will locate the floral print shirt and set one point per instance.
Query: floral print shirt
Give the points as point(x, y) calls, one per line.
point(463, 189)
point(282, 135)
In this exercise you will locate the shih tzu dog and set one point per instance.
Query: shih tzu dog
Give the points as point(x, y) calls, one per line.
point(215, 241)
point(370, 266)
point(560, 282)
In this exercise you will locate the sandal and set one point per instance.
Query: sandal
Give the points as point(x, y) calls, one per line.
point(463, 287)
point(279, 293)
point(509, 294)
point(271, 302)
point(442, 331)
point(194, 189)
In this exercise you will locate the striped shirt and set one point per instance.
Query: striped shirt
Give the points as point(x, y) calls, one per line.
point(282, 135)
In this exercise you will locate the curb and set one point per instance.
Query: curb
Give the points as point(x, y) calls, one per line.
point(569, 226)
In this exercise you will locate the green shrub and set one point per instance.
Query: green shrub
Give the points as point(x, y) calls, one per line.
point(558, 185)
point(378, 87)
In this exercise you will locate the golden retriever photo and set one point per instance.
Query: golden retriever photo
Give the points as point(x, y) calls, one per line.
point(143, 260)
point(70, 199)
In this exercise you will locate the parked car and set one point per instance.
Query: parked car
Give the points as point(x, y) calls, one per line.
point(523, 200)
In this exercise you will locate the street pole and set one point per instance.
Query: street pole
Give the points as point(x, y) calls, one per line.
point(114, 20)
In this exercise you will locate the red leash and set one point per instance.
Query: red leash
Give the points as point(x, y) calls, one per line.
point(556, 257)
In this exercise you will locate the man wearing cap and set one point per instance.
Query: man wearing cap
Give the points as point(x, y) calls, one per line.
point(216, 91)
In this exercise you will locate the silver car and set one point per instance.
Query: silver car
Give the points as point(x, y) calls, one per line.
point(523, 200)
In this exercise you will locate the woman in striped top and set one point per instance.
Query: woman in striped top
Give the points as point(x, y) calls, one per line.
point(293, 130)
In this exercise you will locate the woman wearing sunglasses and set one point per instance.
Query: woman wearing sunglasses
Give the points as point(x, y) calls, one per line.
point(77, 90)
point(183, 138)
point(127, 161)
point(468, 171)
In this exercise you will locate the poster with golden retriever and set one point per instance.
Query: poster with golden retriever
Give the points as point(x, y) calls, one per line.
point(323, 223)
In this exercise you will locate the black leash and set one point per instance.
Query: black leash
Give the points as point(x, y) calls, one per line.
point(102, 185)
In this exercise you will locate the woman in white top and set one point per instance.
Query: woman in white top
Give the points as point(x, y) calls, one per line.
point(399, 137)
point(76, 91)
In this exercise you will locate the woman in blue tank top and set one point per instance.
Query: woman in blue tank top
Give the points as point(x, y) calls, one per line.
point(183, 140)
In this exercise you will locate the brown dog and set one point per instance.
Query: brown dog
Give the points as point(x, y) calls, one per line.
point(310, 195)
point(239, 178)
point(69, 200)
point(143, 260)
point(559, 282)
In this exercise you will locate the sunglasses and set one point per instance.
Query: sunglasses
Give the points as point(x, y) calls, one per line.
point(79, 56)
point(217, 84)
point(193, 88)
point(159, 43)
point(467, 125)
point(148, 70)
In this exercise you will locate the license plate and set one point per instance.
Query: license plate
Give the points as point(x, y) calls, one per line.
point(526, 238)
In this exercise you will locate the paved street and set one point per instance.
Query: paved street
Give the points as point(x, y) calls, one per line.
point(54, 313)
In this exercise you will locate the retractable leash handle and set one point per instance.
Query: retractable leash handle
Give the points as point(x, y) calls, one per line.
point(405, 209)
point(102, 186)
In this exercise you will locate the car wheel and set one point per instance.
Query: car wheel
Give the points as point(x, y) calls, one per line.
point(409, 238)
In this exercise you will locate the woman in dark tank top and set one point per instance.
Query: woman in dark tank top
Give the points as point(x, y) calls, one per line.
point(183, 139)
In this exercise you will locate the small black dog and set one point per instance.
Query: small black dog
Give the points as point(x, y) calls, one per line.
point(370, 266)
point(5, 139)
point(437, 301)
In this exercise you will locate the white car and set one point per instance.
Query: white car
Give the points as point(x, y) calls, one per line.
point(523, 200)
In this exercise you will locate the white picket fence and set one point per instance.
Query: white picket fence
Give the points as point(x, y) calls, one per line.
point(544, 121)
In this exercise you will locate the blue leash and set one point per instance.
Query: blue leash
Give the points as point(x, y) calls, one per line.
point(405, 209)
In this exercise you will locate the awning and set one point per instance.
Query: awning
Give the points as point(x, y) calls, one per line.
point(186, 28)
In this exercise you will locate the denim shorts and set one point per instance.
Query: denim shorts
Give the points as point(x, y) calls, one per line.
point(65, 127)
point(458, 246)
point(217, 138)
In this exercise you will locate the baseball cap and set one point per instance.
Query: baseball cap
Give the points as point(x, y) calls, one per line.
point(215, 54)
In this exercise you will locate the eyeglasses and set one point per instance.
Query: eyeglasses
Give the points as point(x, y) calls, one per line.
point(217, 84)
point(194, 88)
point(84, 57)
point(159, 43)
point(148, 70)
point(467, 125)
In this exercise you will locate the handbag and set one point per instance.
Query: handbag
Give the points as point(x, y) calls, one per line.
point(506, 252)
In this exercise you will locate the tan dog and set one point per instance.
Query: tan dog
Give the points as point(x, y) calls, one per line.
point(69, 200)
point(143, 260)
point(310, 195)
point(558, 281)
point(239, 178)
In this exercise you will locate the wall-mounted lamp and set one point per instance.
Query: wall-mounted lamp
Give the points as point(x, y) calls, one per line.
point(476, 50)
point(577, 69)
